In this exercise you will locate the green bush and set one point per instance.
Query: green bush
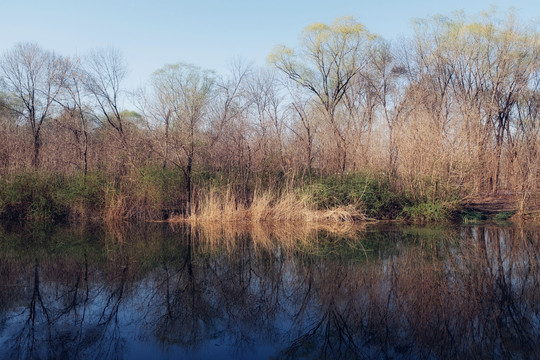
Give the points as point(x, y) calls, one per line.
point(52, 197)
point(86, 191)
point(427, 212)
point(471, 217)
point(372, 194)
point(156, 188)
point(503, 216)
point(32, 196)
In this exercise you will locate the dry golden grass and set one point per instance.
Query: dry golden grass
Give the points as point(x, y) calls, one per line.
point(266, 206)
point(214, 205)
point(116, 208)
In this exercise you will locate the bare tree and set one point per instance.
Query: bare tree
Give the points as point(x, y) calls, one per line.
point(389, 93)
point(34, 77)
point(75, 107)
point(181, 96)
point(228, 131)
point(230, 99)
point(105, 70)
point(268, 116)
point(304, 124)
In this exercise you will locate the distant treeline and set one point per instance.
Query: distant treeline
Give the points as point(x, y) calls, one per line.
point(449, 113)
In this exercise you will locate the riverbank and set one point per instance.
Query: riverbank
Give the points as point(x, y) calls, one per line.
point(156, 194)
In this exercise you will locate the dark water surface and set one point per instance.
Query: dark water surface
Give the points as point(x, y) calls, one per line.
point(161, 292)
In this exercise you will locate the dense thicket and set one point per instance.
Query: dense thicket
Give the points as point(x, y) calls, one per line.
point(450, 113)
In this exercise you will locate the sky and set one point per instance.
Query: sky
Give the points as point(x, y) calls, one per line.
point(209, 33)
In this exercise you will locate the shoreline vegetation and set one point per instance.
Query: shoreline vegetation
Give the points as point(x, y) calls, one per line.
point(343, 127)
point(156, 194)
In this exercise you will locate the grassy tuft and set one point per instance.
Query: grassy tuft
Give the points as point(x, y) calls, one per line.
point(471, 217)
point(267, 206)
point(429, 212)
point(503, 216)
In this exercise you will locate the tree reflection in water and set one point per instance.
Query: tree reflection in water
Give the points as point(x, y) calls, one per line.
point(468, 292)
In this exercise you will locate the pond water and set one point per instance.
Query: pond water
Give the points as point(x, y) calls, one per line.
point(288, 292)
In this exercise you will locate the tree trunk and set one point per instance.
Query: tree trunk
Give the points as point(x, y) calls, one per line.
point(188, 185)
point(392, 156)
point(85, 153)
point(37, 146)
point(496, 175)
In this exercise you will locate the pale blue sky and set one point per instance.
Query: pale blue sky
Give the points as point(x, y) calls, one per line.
point(208, 33)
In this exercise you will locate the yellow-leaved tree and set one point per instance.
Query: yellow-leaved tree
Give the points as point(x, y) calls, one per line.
point(325, 63)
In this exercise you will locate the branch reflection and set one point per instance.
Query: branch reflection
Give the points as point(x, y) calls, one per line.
point(258, 292)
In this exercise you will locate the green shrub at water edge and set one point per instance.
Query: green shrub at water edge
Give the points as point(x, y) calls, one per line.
point(51, 197)
point(374, 195)
point(429, 212)
point(86, 191)
point(471, 217)
point(31, 196)
point(156, 188)
point(503, 216)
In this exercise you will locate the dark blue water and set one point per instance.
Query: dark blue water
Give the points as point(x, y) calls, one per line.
point(166, 293)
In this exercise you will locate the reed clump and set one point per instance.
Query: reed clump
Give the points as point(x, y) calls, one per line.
point(291, 205)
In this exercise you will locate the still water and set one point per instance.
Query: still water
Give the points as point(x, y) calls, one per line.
point(165, 292)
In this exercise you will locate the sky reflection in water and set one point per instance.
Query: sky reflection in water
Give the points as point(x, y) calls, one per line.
point(162, 292)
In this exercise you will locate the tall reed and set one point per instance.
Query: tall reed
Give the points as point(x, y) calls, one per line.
point(289, 205)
